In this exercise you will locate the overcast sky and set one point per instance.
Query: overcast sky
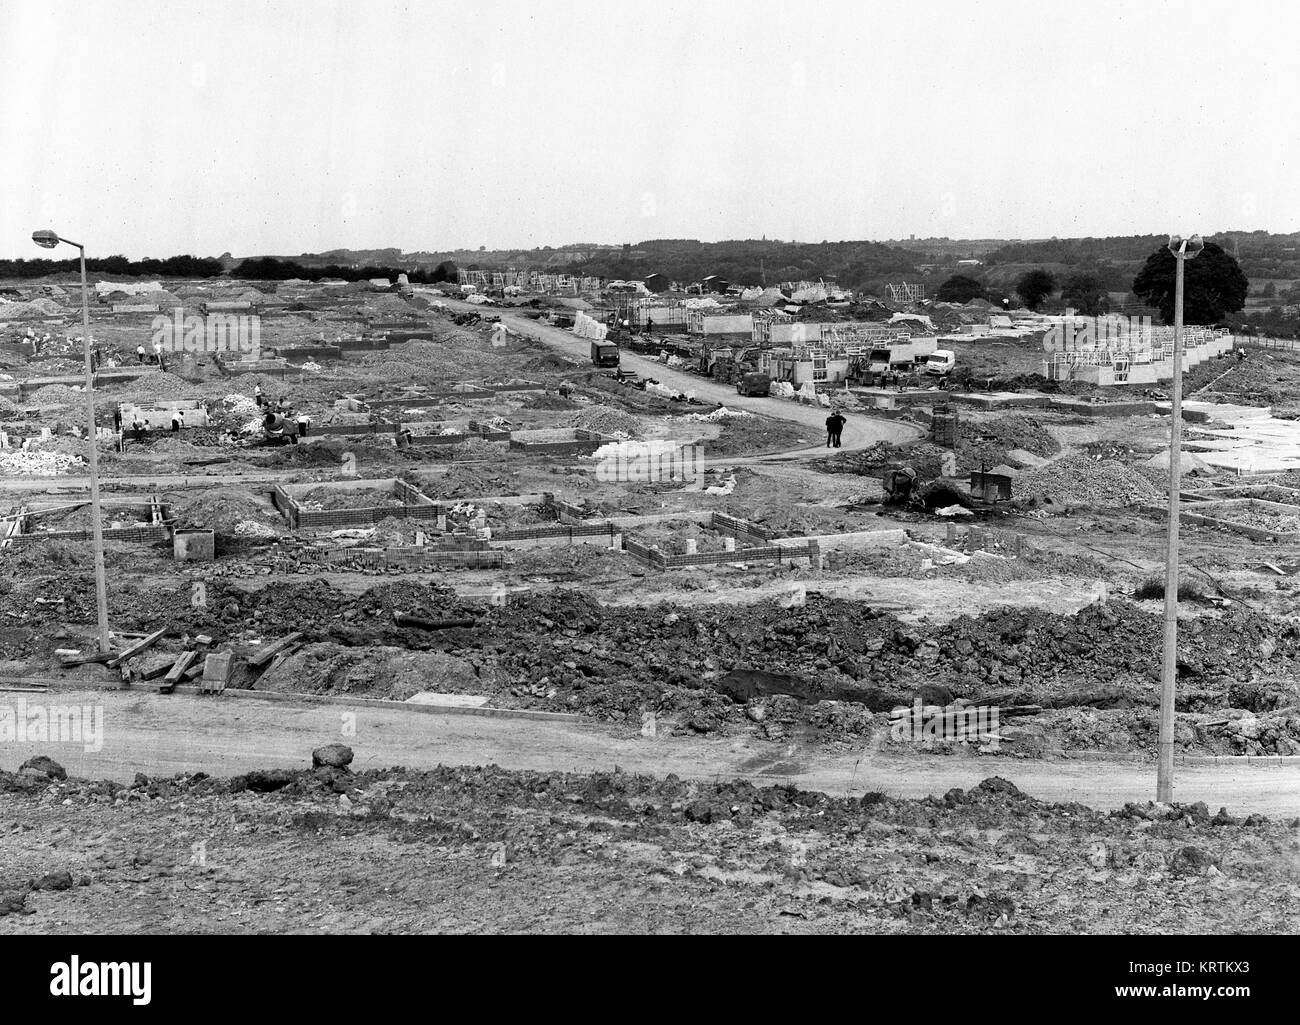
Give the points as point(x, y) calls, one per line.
point(155, 128)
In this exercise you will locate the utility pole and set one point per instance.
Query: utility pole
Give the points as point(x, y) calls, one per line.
point(1184, 248)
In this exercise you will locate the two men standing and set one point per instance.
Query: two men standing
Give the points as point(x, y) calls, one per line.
point(834, 428)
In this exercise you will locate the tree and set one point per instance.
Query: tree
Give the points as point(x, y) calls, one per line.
point(1034, 286)
point(1269, 291)
point(1214, 285)
point(959, 289)
point(1085, 293)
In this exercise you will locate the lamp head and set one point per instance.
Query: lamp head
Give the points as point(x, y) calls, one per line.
point(1193, 244)
point(46, 239)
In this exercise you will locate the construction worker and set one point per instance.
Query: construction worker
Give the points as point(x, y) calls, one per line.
point(257, 394)
point(304, 421)
point(139, 353)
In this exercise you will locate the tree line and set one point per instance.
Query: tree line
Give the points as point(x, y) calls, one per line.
point(1214, 286)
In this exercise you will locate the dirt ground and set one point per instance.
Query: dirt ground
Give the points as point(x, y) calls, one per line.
point(456, 850)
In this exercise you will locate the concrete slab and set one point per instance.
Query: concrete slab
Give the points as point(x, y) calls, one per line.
point(428, 697)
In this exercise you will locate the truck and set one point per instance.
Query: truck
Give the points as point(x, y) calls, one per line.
point(754, 384)
point(892, 357)
point(604, 354)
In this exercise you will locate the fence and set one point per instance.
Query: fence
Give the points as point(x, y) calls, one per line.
point(1286, 344)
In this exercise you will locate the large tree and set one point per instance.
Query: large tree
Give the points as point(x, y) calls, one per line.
point(1034, 286)
point(1214, 285)
point(959, 289)
point(1085, 293)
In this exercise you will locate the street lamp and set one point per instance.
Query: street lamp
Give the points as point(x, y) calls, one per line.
point(1184, 247)
point(49, 240)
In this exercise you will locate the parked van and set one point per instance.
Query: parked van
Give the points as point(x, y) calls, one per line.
point(940, 362)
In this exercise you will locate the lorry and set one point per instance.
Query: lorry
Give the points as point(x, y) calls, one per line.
point(604, 354)
point(754, 384)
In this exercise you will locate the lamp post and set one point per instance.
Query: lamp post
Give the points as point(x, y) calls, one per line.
point(49, 240)
point(1184, 248)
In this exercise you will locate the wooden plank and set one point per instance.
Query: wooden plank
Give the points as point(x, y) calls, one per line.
point(271, 650)
point(158, 669)
point(173, 677)
point(149, 641)
point(80, 660)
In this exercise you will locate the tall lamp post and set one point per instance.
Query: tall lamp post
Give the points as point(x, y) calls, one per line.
point(49, 240)
point(1184, 248)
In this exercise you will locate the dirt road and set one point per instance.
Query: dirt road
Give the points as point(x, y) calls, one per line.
point(159, 735)
point(860, 431)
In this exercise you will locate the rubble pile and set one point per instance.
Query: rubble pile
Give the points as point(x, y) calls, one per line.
point(56, 395)
point(926, 459)
point(1077, 481)
point(219, 509)
point(162, 386)
point(607, 420)
point(38, 464)
point(327, 498)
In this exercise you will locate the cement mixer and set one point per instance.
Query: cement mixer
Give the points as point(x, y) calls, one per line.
point(278, 428)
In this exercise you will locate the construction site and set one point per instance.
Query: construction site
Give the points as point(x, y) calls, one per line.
point(695, 634)
point(588, 469)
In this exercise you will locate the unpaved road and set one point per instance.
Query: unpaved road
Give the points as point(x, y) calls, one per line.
point(163, 735)
point(860, 431)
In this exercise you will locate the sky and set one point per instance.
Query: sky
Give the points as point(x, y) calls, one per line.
point(288, 126)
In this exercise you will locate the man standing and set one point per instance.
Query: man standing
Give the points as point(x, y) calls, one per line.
point(830, 430)
point(304, 421)
point(257, 394)
point(139, 353)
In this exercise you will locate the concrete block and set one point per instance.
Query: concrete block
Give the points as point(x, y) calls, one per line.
point(194, 545)
point(216, 670)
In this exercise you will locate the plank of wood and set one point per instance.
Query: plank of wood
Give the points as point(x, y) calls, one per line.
point(275, 664)
point(155, 671)
point(149, 641)
point(177, 671)
point(80, 660)
point(271, 650)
